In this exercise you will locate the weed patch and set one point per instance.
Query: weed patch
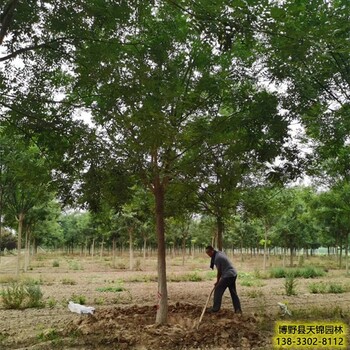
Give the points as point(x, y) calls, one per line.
point(323, 288)
point(303, 272)
point(115, 289)
point(78, 299)
point(290, 285)
point(68, 281)
point(249, 280)
point(22, 295)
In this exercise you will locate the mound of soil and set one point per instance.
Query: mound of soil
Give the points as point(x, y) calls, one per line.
point(133, 327)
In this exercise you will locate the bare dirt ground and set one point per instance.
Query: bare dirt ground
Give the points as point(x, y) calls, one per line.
point(126, 319)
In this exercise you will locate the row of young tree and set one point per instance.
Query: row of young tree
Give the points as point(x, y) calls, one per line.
point(293, 218)
point(190, 101)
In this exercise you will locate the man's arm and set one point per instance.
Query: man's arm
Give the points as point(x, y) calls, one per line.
point(218, 275)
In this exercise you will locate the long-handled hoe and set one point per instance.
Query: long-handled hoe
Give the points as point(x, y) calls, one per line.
point(205, 306)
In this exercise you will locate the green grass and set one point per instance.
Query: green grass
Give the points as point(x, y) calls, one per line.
point(290, 285)
point(78, 298)
point(302, 272)
point(113, 289)
point(323, 288)
point(188, 277)
point(74, 265)
point(195, 276)
point(68, 281)
point(254, 294)
point(142, 278)
point(249, 280)
point(50, 335)
point(21, 295)
point(311, 312)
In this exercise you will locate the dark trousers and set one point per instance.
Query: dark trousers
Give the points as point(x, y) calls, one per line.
point(220, 288)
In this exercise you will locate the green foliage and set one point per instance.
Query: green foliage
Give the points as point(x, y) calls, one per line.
point(324, 287)
point(249, 280)
point(255, 294)
point(304, 272)
point(22, 295)
point(188, 277)
point(113, 289)
point(68, 281)
point(74, 265)
point(99, 301)
point(51, 303)
point(78, 298)
point(50, 334)
point(322, 313)
point(34, 295)
point(55, 263)
point(143, 278)
point(290, 285)
point(13, 296)
point(336, 288)
point(137, 265)
point(194, 277)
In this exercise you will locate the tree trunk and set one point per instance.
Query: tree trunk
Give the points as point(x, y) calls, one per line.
point(93, 248)
point(220, 232)
point(291, 263)
point(265, 246)
point(19, 241)
point(113, 252)
point(341, 253)
point(162, 311)
point(35, 246)
point(86, 247)
point(131, 249)
point(27, 251)
point(101, 250)
point(347, 253)
point(144, 247)
point(183, 248)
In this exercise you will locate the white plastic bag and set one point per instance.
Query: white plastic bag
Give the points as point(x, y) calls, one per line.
point(80, 309)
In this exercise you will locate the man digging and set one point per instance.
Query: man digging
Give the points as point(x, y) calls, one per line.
point(226, 278)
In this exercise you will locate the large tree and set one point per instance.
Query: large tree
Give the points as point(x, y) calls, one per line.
point(146, 84)
point(25, 181)
point(308, 55)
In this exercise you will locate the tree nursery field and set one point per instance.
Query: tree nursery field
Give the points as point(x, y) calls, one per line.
point(125, 302)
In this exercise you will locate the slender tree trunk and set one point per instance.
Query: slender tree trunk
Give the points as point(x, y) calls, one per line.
point(220, 232)
point(131, 249)
point(341, 253)
point(183, 249)
point(291, 257)
point(19, 241)
point(35, 246)
point(162, 311)
point(27, 251)
point(101, 250)
point(113, 252)
point(144, 247)
point(265, 247)
point(93, 248)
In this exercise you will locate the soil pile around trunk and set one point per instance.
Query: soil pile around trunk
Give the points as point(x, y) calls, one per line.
point(133, 328)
